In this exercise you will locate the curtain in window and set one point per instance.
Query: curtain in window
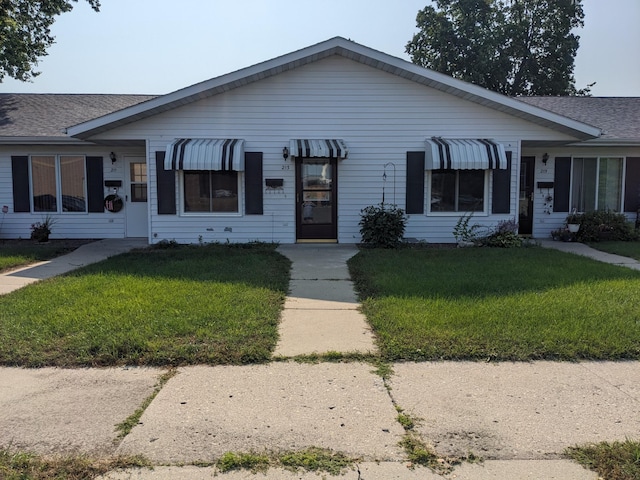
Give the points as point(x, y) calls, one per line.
point(43, 174)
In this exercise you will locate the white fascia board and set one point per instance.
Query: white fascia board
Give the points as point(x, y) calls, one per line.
point(42, 141)
point(348, 49)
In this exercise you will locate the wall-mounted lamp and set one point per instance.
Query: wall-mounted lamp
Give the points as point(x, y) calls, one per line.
point(545, 158)
point(113, 157)
point(285, 153)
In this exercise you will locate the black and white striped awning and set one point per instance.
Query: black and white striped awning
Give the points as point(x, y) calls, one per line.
point(205, 154)
point(318, 148)
point(464, 154)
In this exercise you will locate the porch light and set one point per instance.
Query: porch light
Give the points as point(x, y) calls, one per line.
point(113, 157)
point(545, 158)
point(285, 153)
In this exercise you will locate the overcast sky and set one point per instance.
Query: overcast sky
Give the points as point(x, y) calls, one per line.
point(158, 46)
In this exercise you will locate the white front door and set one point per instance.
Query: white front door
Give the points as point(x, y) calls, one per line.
point(136, 209)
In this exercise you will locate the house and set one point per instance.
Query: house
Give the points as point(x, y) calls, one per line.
point(292, 149)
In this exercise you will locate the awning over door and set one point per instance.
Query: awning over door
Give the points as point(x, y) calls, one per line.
point(205, 154)
point(464, 154)
point(318, 148)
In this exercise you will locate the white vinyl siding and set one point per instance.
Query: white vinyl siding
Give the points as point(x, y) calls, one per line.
point(77, 225)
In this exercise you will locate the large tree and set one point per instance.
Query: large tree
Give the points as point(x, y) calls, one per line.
point(25, 33)
point(515, 47)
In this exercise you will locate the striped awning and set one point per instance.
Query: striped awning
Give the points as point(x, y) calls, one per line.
point(205, 154)
point(318, 148)
point(464, 154)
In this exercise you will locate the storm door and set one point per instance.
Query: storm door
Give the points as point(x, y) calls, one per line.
point(525, 202)
point(316, 199)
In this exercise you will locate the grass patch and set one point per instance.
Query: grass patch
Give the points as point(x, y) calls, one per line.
point(312, 459)
point(125, 427)
point(612, 461)
point(211, 304)
point(27, 466)
point(18, 253)
point(501, 304)
point(626, 249)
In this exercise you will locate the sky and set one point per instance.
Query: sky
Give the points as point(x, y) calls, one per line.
point(159, 46)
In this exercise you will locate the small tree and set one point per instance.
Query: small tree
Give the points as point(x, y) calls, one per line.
point(382, 226)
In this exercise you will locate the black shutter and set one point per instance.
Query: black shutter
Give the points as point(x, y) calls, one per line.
point(501, 196)
point(20, 177)
point(632, 185)
point(166, 182)
point(415, 182)
point(561, 184)
point(253, 203)
point(95, 188)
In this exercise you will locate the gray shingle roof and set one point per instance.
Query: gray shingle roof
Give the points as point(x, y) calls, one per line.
point(618, 117)
point(47, 115)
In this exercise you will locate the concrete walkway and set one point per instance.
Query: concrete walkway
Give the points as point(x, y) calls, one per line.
point(321, 311)
point(518, 416)
point(85, 254)
point(587, 251)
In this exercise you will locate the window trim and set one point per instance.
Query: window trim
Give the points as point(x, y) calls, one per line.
point(58, 180)
point(623, 172)
point(183, 213)
point(429, 186)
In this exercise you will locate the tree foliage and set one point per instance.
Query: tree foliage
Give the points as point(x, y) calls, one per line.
point(515, 47)
point(25, 33)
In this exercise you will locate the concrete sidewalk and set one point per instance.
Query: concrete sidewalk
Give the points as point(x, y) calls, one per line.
point(84, 255)
point(586, 251)
point(518, 416)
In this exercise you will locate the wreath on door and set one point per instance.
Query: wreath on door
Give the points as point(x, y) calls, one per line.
point(113, 203)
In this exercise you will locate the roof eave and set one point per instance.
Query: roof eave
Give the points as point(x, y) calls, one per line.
point(347, 49)
point(42, 141)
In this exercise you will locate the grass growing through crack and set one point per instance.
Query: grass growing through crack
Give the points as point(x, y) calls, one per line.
point(27, 466)
point(312, 459)
point(125, 427)
point(612, 461)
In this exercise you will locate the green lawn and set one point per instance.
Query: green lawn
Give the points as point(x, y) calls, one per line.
point(211, 304)
point(501, 304)
point(14, 253)
point(626, 249)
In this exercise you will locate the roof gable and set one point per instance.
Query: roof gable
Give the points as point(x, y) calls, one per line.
point(347, 49)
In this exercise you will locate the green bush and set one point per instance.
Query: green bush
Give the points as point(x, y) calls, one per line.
point(505, 235)
point(382, 225)
point(605, 225)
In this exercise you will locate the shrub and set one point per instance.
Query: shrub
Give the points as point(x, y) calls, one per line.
point(505, 235)
point(605, 225)
point(382, 225)
point(463, 233)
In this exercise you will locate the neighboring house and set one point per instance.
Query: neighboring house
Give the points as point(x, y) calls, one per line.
point(292, 149)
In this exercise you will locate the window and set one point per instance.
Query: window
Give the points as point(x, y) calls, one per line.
point(458, 190)
point(138, 177)
point(596, 184)
point(58, 184)
point(210, 191)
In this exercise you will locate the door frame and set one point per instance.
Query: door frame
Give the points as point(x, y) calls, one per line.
point(526, 191)
point(130, 216)
point(317, 233)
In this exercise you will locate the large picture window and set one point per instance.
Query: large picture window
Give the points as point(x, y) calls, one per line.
point(58, 184)
point(596, 184)
point(210, 192)
point(458, 190)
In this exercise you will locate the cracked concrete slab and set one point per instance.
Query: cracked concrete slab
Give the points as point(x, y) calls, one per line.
point(519, 411)
point(52, 410)
point(361, 471)
point(522, 470)
point(204, 412)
